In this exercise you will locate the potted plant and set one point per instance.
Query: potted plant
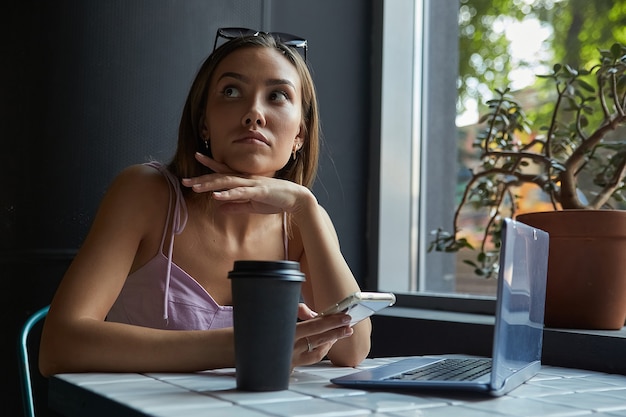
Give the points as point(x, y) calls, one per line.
point(579, 163)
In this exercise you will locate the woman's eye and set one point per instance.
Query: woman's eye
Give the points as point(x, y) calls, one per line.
point(231, 92)
point(279, 96)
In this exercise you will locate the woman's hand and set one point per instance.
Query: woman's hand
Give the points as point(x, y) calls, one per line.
point(315, 335)
point(247, 193)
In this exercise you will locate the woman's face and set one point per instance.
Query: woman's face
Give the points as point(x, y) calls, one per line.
point(254, 111)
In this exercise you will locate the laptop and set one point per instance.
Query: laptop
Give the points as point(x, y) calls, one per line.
point(518, 331)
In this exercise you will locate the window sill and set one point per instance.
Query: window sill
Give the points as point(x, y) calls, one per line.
point(404, 331)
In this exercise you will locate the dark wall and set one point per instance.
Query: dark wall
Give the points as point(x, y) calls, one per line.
point(89, 87)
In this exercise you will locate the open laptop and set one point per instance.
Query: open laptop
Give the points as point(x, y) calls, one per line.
point(518, 331)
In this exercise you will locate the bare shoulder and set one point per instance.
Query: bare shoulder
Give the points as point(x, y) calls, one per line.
point(142, 176)
point(137, 189)
point(140, 182)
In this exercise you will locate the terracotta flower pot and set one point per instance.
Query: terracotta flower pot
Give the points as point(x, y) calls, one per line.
point(586, 267)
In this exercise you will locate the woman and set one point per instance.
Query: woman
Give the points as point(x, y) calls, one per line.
point(148, 290)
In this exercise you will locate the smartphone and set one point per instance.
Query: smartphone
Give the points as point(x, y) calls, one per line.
point(361, 305)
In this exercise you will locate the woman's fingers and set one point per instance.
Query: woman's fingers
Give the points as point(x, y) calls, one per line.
point(217, 182)
point(208, 182)
point(213, 164)
point(305, 313)
point(324, 340)
point(225, 187)
point(322, 324)
point(315, 337)
point(252, 194)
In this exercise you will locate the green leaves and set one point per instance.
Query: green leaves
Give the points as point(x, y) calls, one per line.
point(572, 159)
point(618, 52)
point(447, 242)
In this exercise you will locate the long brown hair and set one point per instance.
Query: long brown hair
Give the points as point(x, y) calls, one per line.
point(302, 170)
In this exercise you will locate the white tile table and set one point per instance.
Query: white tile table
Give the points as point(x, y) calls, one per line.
point(553, 392)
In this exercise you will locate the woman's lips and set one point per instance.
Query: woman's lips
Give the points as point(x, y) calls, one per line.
point(253, 137)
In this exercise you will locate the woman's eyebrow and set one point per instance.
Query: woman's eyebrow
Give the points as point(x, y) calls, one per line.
point(280, 81)
point(234, 75)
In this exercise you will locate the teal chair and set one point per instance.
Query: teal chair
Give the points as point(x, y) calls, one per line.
point(24, 361)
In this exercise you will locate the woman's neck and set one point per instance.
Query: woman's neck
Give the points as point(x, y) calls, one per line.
point(208, 214)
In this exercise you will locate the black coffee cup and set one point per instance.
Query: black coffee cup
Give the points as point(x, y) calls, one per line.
point(265, 308)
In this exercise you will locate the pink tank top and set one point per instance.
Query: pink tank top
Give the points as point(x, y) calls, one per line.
point(162, 295)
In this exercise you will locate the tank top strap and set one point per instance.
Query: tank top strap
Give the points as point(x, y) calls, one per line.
point(179, 217)
point(179, 221)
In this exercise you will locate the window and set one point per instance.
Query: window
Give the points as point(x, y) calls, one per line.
point(439, 61)
point(418, 142)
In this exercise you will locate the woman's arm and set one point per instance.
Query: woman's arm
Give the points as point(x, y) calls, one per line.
point(330, 278)
point(76, 336)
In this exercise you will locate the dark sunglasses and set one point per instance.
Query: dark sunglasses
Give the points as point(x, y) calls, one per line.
point(285, 38)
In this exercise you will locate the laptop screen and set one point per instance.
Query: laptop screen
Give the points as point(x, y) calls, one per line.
point(521, 299)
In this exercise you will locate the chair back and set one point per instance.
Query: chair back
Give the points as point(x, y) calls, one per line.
point(24, 361)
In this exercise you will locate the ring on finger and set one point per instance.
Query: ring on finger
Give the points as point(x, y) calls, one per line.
point(308, 344)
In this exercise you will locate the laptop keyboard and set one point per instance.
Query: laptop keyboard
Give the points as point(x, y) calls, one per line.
point(448, 370)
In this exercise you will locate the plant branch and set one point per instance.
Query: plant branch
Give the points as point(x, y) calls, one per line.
point(574, 147)
point(602, 96)
point(614, 184)
point(618, 106)
point(569, 194)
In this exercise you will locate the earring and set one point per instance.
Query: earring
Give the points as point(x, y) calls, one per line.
point(296, 148)
point(206, 144)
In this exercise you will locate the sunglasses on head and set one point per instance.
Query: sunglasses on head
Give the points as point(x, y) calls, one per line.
point(285, 38)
